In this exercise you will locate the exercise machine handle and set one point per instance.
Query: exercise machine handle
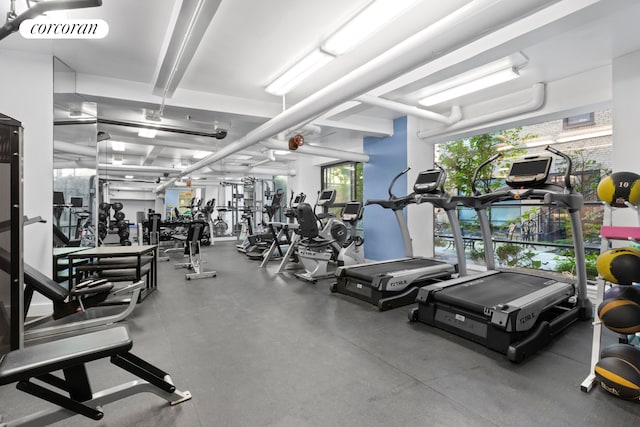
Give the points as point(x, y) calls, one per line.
point(443, 177)
point(567, 174)
point(492, 159)
point(393, 181)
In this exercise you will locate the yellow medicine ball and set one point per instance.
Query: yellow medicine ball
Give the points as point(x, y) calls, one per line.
point(619, 265)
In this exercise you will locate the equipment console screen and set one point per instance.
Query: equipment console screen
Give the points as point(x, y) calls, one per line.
point(529, 172)
point(427, 181)
point(58, 198)
point(326, 195)
point(351, 209)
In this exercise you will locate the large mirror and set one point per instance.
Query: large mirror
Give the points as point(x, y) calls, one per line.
point(75, 135)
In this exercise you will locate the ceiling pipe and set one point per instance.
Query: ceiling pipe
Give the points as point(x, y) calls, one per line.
point(455, 116)
point(314, 150)
point(124, 188)
point(68, 147)
point(261, 162)
point(533, 104)
point(253, 170)
point(305, 130)
point(138, 168)
point(400, 59)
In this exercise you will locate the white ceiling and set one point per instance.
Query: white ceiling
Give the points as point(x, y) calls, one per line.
point(249, 42)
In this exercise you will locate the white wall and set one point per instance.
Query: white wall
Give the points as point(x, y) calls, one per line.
point(27, 96)
point(132, 206)
point(626, 126)
point(307, 179)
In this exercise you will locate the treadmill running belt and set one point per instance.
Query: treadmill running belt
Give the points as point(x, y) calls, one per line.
point(369, 271)
point(489, 291)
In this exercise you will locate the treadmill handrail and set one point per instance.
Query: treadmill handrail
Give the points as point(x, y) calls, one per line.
point(393, 181)
point(396, 203)
point(549, 193)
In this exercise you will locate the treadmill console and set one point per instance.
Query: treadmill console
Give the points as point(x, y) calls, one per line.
point(352, 211)
point(428, 181)
point(529, 172)
point(327, 197)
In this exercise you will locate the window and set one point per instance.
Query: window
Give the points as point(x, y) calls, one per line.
point(346, 179)
point(579, 121)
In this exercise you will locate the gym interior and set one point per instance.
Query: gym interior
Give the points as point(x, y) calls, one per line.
point(357, 212)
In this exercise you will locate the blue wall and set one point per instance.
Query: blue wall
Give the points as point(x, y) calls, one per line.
point(387, 158)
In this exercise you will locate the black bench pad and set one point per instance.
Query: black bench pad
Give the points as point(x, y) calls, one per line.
point(20, 365)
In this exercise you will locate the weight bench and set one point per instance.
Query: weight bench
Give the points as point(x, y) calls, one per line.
point(72, 393)
point(65, 317)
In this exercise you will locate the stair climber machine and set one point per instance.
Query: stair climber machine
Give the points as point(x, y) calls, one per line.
point(283, 233)
point(395, 283)
point(259, 242)
point(515, 313)
point(321, 238)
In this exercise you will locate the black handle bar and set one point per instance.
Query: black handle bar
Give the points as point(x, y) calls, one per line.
point(567, 174)
point(393, 181)
point(492, 159)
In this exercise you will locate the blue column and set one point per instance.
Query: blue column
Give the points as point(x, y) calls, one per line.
point(387, 158)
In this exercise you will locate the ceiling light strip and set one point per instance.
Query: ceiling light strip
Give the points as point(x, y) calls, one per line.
point(181, 50)
point(368, 21)
point(470, 86)
point(302, 69)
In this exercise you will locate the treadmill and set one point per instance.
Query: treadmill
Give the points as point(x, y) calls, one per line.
point(395, 283)
point(512, 312)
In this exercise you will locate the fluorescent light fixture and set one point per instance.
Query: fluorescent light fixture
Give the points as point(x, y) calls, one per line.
point(281, 152)
point(128, 176)
point(370, 20)
point(298, 72)
point(467, 84)
point(117, 145)
point(595, 134)
point(147, 133)
point(201, 154)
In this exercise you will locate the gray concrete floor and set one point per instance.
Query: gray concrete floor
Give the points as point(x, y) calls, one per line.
point(260, 349)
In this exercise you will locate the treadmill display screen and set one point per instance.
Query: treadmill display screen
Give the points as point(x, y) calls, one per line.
point(427, 181)
point(529, 172)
